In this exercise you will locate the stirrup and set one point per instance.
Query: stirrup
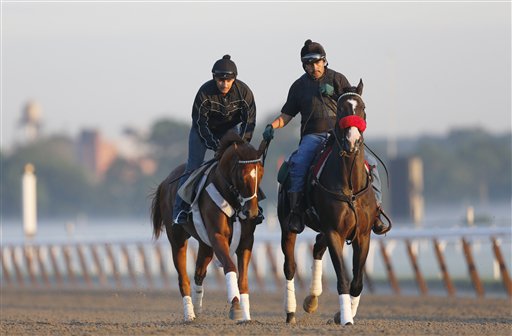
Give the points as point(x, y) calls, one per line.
point(379, 227)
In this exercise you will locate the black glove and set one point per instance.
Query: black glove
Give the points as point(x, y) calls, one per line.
point(268, 134)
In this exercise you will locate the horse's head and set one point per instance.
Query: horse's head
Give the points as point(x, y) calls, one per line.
point(242, 167)
point(351, 118)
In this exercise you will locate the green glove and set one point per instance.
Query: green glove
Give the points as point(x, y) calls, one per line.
point(326, 90)
point(268, 133)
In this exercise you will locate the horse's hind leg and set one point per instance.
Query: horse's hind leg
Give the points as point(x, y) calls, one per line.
point(204, 257)
point(310, 304)
point(288, 248)
point(179, 242)
point(361, 247)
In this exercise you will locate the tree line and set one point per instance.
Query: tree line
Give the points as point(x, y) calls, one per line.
point(464, 165)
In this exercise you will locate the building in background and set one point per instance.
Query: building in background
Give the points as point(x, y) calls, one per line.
point(407, 189)
point(30, 122)
point(95, 153)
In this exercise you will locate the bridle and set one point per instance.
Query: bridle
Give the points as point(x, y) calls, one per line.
point(349, 121)
point(235, 192)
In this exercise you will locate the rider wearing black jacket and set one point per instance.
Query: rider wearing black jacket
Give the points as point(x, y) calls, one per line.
point(221, 104)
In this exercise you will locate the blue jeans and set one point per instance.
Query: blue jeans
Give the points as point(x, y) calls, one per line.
point(301, 159)
point(376, 184)
point(196, 154)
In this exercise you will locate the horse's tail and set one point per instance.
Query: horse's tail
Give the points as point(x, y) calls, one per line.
point(156, 213)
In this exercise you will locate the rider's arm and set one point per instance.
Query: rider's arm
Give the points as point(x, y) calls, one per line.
point(281, 121)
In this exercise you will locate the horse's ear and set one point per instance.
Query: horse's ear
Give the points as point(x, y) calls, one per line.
point(359, 88)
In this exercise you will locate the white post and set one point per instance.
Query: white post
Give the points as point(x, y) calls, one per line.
point(29, 201)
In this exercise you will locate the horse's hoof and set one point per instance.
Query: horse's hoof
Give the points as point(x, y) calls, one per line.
point(337, 319)
point(290, 318)
point(310, 304)
point(235, 312)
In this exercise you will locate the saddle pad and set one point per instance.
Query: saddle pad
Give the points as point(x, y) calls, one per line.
point(187, 191)
point(198, 219)
point(319, 166)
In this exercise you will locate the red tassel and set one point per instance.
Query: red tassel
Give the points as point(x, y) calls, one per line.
point(353, 121)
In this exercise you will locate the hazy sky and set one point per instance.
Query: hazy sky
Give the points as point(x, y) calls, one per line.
point(427, 67)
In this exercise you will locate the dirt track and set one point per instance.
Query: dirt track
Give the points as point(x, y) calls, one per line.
point(25, 312)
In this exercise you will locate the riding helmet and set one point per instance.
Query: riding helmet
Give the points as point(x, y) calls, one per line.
point(224, 68)
point(312, 52)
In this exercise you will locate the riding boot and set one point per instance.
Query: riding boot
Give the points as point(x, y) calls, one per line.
point(295, 223)
point(181, 211)
point(379, 226)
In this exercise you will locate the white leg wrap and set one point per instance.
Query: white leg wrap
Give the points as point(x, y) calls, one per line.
point(354, 300)
point(290, 304)
point(188, 309)
point(197, 298)
point(345, 309)
point(246, 307)
point(232, 286)
point(316, 278)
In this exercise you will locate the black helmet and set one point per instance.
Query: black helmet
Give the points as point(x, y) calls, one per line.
point(312, 52)
point(224, 68)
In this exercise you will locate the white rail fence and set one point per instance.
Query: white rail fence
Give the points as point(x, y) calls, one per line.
point(421, 262)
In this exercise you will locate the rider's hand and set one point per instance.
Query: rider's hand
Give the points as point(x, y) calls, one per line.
point(268, 134)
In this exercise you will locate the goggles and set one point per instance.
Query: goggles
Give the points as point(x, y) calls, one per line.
point(312, 58)
point(224, 74)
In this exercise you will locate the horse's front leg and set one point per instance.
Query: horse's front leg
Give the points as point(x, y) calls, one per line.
point(336, 242)
point(288, 247)
point(310, 304)
point(204, 257)
point(361, 247)
point(244, 252)
point(179, 241)
point(220, 244)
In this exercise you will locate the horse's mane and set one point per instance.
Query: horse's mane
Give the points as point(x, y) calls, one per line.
point(229, 138)
point(348, 89)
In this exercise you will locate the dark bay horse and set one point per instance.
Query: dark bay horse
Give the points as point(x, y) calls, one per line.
point(236, 179)
point(345, 203)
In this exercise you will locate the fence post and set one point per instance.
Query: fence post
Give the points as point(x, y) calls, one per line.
point(129, 265)
point(83, 264)
point(444, 270)
point(101, 274)
point(389, 268)
point(161, 263)
point(17, 270)
point(42, 266)
point(28, 251)
point(503, 268)
point(472, 269)
point(414, 262)
point(5, 271)
point(115, 271)
point(145, 266)
point(55, 265)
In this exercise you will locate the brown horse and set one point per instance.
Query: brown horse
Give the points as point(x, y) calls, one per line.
point(236, 178)
point(345, 205)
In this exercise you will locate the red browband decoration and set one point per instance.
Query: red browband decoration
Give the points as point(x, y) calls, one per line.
point(353, 120)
